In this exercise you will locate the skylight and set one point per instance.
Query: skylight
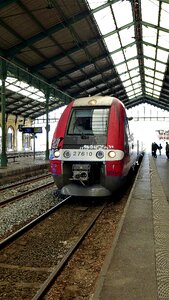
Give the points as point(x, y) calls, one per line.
point(22, 88)
point(118, 31)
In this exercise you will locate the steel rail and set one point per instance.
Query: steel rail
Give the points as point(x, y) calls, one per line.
point(7, 241)
point(23, 182)
point(58, 268)
point(17, 197)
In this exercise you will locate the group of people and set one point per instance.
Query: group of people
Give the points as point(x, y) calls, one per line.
point(156, 147)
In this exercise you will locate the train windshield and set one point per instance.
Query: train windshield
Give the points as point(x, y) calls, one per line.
point(89, 121)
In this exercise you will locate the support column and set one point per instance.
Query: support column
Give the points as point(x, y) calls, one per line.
point(47, 94)
point(3, 74)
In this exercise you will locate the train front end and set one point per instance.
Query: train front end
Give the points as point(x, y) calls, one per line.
point(87, 154)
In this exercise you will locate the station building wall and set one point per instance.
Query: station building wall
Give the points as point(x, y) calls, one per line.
point(16, 140)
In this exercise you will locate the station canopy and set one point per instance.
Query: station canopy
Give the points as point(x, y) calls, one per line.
point(79, 48)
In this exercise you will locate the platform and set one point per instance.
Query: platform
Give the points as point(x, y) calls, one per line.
point(137, 266)
point(23, 168)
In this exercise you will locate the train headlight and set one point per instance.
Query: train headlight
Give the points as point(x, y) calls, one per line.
point(56, 153)
point(99, 154)
point(66, 154)
point(112, 154)
point(92, 102)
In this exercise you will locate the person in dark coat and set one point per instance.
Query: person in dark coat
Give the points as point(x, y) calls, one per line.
point(154, 149)
point(167, 150)
point(159, 148)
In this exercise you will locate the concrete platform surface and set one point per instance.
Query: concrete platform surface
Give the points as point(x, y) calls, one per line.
point(23, 167)
point(137, 266)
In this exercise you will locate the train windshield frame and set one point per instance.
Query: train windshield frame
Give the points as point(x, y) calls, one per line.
point(88, 121)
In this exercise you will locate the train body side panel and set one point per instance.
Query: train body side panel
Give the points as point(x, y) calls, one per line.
point(115, 133)
point(115, 137)
point(55, 164)
point(61, 127)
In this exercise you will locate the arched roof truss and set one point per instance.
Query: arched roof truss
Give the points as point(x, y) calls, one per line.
point(79, 48)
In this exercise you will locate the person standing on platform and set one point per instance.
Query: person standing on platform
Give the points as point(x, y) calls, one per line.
point(159, 148)
point(167, 150)
point(154, 149)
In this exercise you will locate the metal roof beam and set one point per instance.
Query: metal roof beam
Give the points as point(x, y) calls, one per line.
point(146, 24)
point(4, 3)
point(92, 76)
point(54, 58)
point(29, 42)
point(110, 2)
point(77, 68)
point(136, 8)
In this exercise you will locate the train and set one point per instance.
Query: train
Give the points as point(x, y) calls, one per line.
point(92, 149)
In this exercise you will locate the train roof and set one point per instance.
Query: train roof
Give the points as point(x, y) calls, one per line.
point(95, 101)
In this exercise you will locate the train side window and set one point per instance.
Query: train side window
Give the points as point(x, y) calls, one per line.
point(126, 135)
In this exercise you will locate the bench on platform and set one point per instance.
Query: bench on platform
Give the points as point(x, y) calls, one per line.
point(13, 157)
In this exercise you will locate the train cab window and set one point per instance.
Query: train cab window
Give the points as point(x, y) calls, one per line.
point(88, 121)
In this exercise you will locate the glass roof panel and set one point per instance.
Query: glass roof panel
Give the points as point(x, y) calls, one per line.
point(127, 36)
point(136, 85)
point(149, 72)
point(134, 72)
point(22, 88)
point(130, 94)
point(132, 64)
point(127, 83)
point(158, 82)
point(162, 55)
point(14, 88)
point(150, 79)
point(158, 75)
point(163, 40)
point(150, 10)
point(149, 63)
point(135, 79)
point(25, 93)
point(124, 77)
point(137, 90)
point(129, 89)
point(157, 88)
point(153, 14)
point(94, 4)
point(156, 94)
point(149, 84)
point(103, 17)
point(130, 52)
point(118, 57)
point(149, 51)
point(138, 93)
point(121, 68)
point(148, 90)
point(149, 35)
point(112, 42)
point(164, 15)
point(122, 18)
point(160, 67)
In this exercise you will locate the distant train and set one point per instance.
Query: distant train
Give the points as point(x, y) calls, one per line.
point(92, 149)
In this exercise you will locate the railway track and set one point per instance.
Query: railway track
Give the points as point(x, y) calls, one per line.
point(19, 190)
point(30, 260)
point(7, 241)
point(23, 182)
